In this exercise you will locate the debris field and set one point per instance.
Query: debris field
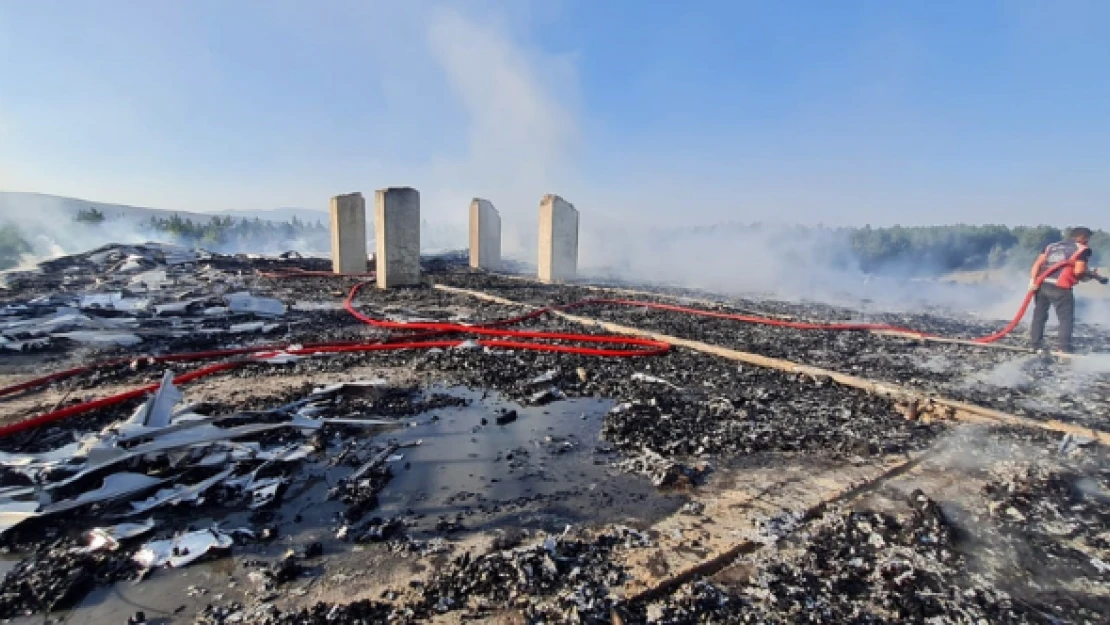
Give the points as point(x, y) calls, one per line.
point(1075, 390)
point(273, 469)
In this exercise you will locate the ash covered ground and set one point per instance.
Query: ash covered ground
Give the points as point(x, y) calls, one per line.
point(1075, 390)
point(509, 485)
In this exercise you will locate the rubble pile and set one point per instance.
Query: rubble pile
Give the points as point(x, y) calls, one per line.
point(848, 571)
point(914, 560)
point(159, 467)
point(1010, 381)
point(152, 296)
point(728, 411)
point(315, 476)
point(1030, 547)
point(851, 566)
point(559, 580)
point(1050, 542)
point(364, 611)
point(57, 574)
point(117, 264)
point(665, 472)
point(688, 405)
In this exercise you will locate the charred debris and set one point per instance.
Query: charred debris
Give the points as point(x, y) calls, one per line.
point(483, 483)
point(1075, 390)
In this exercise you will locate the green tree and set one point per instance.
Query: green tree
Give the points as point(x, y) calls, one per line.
point(90, 216)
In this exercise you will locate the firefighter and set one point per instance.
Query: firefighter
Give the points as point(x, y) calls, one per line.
point(1056, 289)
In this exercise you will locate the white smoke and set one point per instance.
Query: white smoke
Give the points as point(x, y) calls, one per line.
point(47, 224)
point(1091, 364)
point(1009, 374)
point(521, 130)
point(792, 263)
point(968, 447)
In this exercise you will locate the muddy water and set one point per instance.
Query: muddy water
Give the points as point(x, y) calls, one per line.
point(542, 471)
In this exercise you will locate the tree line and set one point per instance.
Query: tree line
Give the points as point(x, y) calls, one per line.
point(943, 249)
point(223, 234)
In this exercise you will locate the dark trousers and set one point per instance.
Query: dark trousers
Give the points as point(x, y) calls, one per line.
point(1064, 302)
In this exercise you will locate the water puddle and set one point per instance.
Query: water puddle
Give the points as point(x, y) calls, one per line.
point(540, 471)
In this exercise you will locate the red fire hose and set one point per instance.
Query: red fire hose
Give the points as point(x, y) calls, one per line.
point(644, 347)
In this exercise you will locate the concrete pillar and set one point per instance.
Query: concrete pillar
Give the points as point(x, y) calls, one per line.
point(558, 239)
point(485, 235)
point(348, 233)
point(397, 234)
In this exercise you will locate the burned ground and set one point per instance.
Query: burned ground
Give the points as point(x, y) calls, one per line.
point(474, 482)
point(1014, 532)
point(1014, 382)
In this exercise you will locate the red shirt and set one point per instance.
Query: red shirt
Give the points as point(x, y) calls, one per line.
point(1069, 250)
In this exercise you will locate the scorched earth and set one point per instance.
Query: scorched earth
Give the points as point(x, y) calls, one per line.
point(224, 442)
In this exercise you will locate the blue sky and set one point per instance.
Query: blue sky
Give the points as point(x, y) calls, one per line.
point(641, 111)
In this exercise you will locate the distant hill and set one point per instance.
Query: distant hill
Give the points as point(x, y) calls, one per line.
point(23, 207)
point(33, 207)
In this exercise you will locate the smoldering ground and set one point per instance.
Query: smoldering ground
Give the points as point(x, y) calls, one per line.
point(1003, 524)
point(712, 406)
point(47, 226)
point(1043, 384)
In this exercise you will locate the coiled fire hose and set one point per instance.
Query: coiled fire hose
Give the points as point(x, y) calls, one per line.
point(632, 347)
